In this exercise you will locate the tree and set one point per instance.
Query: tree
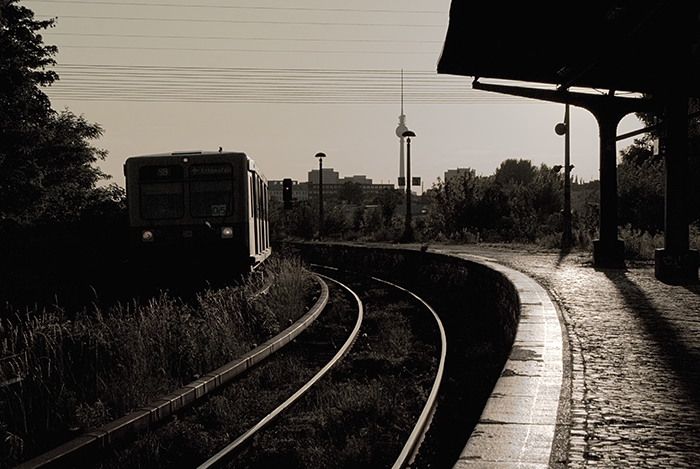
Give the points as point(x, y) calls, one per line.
point(351, 192)
point(640, 178)
point(512, 170)
point(388, 200)
point(457, 204)
point(46, 163)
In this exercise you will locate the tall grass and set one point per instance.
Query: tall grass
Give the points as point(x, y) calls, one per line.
point(640, 245)
point(60, 376)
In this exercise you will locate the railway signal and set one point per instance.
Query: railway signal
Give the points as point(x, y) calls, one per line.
point(287, 193)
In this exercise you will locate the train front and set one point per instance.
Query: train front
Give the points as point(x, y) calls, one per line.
point(190, 209)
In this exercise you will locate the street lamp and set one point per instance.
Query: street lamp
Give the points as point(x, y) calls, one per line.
point(408, 231)
point(563, 129)
point(320, 157)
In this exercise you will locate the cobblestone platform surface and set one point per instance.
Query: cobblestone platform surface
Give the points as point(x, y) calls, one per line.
point(635, 358)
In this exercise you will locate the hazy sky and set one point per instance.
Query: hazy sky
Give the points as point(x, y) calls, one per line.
point(284, 80)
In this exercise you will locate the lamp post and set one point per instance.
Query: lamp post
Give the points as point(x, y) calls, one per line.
point(408, 231)
point(320, 157)
point(563, 129)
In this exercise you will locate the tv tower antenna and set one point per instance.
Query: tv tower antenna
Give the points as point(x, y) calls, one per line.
point(399, 133)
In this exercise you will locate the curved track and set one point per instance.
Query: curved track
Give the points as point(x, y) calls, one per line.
point(156, 411)
point(223, 456)
point(411, 447)
point(422, 423)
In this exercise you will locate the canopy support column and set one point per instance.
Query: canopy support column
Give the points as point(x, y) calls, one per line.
point(608, 251)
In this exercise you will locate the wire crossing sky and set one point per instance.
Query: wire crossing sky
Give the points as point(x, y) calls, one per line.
point(284, 81)
point(255, 85)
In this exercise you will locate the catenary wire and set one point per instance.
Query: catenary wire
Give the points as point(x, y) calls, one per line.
point(228, 38)
point(240, 7)
point(276, 51)
point(228, 21)
point(259, 85)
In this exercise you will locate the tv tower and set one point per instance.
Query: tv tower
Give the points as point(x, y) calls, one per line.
point(399, 133)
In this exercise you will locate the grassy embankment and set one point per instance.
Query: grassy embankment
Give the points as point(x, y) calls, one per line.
point(60, 376)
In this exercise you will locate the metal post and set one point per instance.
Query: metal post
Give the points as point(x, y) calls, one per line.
point(408, 231)
point(608, 250)
point(320, 157)
point(608, 110)
point(566, 234)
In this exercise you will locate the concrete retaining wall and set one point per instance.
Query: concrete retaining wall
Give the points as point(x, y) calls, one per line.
point(429, 274)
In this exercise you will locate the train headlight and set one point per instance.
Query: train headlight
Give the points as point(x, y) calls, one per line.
point(147, 236)
point(226, 232)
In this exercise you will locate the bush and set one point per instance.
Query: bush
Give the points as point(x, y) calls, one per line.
point(638, 244)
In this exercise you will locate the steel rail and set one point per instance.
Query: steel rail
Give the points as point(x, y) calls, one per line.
point(410, 449)
point(159, 409)
point(224, 456)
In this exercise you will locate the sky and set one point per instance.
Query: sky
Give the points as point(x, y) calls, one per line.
point(282, 81)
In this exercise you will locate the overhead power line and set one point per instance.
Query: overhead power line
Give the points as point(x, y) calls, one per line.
point(228, 21)
point(258, 85)
point(278, 51)
point(229, 38)
point(241, 7)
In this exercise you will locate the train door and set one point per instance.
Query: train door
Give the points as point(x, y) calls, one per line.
point(252, 231)
point(266, 217)
point(260, 215)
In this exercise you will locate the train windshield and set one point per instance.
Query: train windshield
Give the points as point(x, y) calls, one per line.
point(162, 192)
point(211, 190)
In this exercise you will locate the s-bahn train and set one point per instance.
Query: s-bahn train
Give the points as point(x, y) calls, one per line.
point(208, 207)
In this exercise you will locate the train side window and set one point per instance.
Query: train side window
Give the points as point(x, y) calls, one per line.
point(211, 190)
point(162, 194)
point(254, 196)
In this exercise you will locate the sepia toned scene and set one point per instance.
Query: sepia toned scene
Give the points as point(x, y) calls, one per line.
point(324, 234)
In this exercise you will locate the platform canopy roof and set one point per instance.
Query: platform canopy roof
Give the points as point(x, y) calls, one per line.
point(637, 45)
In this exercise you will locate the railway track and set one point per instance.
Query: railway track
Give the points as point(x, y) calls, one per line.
point(227, 453)
point(348, 404)
point(379, 397)
point(89, 445)
point(383, 394)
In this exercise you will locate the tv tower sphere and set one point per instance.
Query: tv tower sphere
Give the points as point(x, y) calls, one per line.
point(402, 126)
point(399, 133)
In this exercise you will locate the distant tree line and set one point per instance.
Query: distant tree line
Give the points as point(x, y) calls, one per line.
point(350, 215)
point(519, 203)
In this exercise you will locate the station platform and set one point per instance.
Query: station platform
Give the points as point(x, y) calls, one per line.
point(604, 372)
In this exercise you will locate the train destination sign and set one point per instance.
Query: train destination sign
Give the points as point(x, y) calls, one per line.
point(210, 170)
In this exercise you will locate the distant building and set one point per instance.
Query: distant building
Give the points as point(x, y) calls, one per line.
point(332, 182)
point(452, 173)
point(300, 190)
point(329, 176)
point(357, 179)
